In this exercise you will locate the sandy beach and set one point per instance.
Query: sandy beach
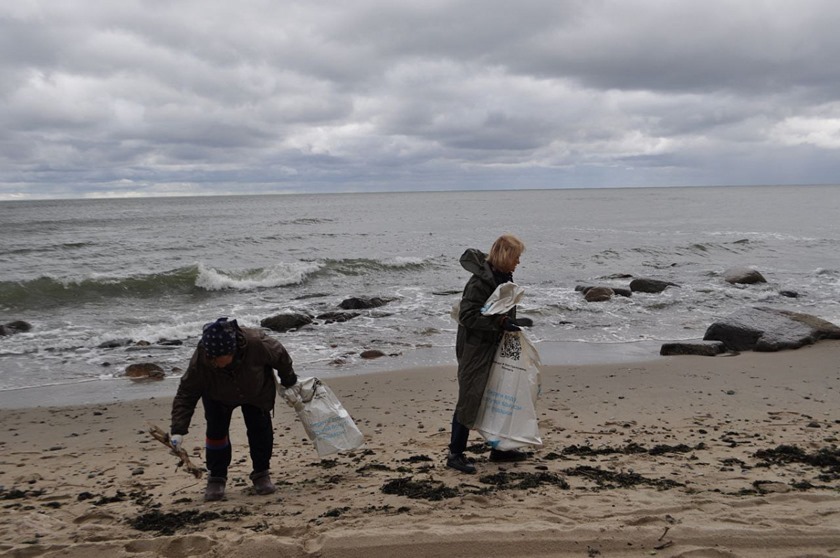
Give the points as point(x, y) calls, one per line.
point(701, 457)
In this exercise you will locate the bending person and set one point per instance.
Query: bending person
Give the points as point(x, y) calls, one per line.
point(232, 367)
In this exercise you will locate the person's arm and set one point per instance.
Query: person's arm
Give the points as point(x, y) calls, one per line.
point(189, 392)
point(472, 302)
point(280, 360)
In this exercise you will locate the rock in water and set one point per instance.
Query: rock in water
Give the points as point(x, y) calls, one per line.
point(643, 285)
point(743, 276)
point(362, 303)
point(598, 294)
point(285, 322)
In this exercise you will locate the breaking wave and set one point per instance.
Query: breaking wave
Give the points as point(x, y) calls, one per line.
point(45, 292)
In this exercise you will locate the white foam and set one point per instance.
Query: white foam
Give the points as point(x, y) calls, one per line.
point(278, 275)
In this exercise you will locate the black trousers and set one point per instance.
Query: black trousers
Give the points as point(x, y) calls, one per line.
point(459, 437)
point(218, 448)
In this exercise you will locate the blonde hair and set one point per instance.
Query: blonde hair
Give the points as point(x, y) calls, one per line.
point(505, 251)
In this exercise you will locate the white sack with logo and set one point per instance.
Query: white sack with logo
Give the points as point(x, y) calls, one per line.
point(324, 419)
point(507, 416)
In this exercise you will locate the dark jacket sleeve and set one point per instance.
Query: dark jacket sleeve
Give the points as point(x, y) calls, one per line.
point(473, 300)
point(279, 359)
point(189, 392)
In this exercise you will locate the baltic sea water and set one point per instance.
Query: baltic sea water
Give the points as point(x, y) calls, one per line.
point(95, 277)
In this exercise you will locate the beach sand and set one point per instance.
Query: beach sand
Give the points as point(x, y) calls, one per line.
point(700, 457)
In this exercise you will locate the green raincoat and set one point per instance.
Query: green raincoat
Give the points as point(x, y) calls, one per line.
point(478, 336)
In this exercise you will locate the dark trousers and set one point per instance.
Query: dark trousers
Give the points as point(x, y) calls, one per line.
point(218, 449)
point(460, 434)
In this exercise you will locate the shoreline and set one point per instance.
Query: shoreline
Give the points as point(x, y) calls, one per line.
point(678, 457)
point(94, 391)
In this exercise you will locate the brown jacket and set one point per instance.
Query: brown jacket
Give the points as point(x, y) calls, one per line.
point(250, 380)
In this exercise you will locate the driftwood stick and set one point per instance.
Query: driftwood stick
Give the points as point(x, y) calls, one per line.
point(163, 437)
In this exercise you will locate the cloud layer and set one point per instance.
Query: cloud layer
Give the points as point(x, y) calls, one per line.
point(207, 96)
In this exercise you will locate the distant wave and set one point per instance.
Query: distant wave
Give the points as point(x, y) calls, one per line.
point(305, 221)
point(43, 249)
point(363, 266)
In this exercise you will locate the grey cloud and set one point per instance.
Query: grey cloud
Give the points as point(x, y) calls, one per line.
point(212, 96)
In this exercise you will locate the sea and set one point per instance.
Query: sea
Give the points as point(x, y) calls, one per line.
point(106, 283)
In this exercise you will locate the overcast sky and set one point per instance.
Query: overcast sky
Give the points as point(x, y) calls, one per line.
point(160, 97)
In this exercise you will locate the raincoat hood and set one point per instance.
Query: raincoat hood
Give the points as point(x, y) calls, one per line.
point(475, 261)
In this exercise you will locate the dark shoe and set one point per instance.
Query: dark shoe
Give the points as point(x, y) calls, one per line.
point(507, 456)
point(262, 483)
point(215, 490)
point(459, 461)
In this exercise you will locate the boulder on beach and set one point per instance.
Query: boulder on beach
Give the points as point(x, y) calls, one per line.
point(362, 303)
point(645, 285)
point(285, 322)
point(144, 371)
point(700, 348)
point(743, 276)
point(371, 353)
point(770, 329)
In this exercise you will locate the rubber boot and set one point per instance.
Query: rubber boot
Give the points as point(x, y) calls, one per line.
point(262, 483)
point(215, 490)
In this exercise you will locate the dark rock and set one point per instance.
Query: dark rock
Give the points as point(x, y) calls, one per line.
point(285, 322)
point(598, 294)
point(17, 326)
point(170, 342)
point(789, 294)
point(701, 348)
point(362, 303)
point(114, 343)
point(743, 276)
point(770, 329)
point(616, 290)
point(643, 285)
point(371, 353)
point(144, 371)
point(330, 317)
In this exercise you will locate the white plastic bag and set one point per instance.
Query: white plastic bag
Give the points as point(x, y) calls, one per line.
point(507, 416)
point(324, 419)
point(506, 296)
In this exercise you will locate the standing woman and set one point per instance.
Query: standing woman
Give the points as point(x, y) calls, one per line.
point(478, 339)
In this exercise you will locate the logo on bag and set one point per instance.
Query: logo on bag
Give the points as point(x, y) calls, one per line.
point(511, 347)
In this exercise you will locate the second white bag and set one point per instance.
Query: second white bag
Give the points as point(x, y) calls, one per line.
point(326, 422)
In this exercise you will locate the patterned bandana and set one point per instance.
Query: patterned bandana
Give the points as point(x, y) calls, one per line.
point(219, 338)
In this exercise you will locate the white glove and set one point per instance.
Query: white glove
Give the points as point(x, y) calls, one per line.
point(293, 396)
point(176, 441)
